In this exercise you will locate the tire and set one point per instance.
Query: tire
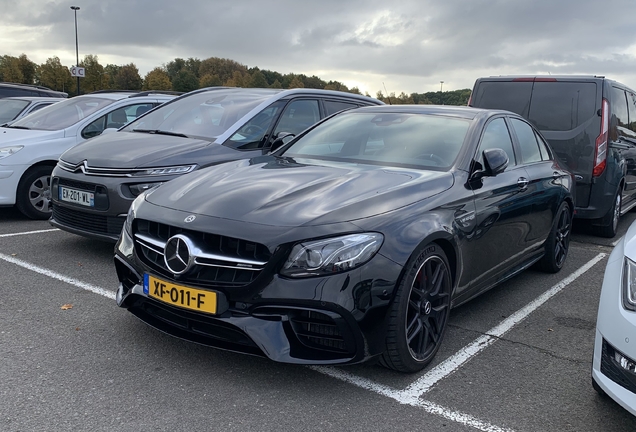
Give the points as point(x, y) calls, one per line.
point(33, 197)
point(609, 223)
point(558, 243)
point(419, 312)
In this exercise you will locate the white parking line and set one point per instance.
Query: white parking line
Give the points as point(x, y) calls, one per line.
point(46, 272)
point(28, 232)
point(614, 243)
point(410, 395)
point(451, 364)
point(407, 399)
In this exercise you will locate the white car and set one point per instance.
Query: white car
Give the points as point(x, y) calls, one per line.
point(13, 108)
point(614, 365)
point(31, 146)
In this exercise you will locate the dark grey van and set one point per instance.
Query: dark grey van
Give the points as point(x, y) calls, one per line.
point(590, 122)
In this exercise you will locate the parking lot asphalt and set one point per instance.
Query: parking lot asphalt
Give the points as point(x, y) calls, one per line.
point(517, 358)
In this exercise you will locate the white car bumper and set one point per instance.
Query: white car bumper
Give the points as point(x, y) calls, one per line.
point(615, 332)
point(9, 178)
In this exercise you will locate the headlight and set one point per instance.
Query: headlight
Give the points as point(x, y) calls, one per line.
point(184, 169)
point(323, 257)
point(137, 189)
point(629, 284)
point(8, 151)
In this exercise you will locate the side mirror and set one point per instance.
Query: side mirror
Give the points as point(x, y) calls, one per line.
point(495, 162)
point(281, 139)
point(109, 130)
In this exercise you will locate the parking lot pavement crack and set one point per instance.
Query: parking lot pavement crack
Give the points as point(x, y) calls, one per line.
point(514, 342)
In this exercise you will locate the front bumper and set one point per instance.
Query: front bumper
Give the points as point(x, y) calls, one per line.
point(9, 179)
point(324, 320)
point(615, 332)
point(112, 201)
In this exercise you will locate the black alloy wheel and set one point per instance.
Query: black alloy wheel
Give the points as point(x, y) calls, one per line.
point(558, 243)
point(419, 313)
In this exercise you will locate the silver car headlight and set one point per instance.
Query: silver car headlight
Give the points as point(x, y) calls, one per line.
point(173, 170)
point(629, 284)
point(333, 255)
point(8, 151)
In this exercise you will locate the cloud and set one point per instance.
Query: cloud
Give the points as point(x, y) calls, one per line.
point(409, 45)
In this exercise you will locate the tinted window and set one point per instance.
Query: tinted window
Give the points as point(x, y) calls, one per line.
point(40, 106)
point(387, 139)
point(631, 102)
point(618, 112)
point(507, 95)
point(496, 135)
point(543, 147)
point(115, 119)
point(252, 134)
point(527, 141)
point(562, 106)
point(298, 116)
point(206, 114)
point(332, 107)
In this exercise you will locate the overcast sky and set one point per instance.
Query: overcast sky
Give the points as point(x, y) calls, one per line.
point(408, 45)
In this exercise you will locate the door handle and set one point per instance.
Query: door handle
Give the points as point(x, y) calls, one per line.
point(522, 182)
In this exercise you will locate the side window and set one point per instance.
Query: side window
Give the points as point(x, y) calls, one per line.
point(39, 107)
point(618, 110)
point(252, 134)
point(115, 119)
point(496, 135)
point(527, 141)
point(543, 147)
point(332, 107)
point(298, 116)
point(631, 102)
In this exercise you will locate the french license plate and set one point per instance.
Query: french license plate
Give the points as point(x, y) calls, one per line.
point(77, 196)
point(181, 296)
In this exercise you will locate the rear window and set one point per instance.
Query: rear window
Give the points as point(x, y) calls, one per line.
point(505, 95)
point(562, 106)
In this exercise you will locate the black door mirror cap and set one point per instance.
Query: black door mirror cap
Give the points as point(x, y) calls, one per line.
point(495, 161)
point(282, 138)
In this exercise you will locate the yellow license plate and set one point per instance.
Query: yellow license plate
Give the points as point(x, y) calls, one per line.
point(181, 296)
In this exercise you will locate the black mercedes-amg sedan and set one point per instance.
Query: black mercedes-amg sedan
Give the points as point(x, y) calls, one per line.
point(353, 241)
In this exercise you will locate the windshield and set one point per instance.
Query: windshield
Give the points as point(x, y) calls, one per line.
point(392, 139)
point(10, 108)
point(62, 114)
point(206, 115)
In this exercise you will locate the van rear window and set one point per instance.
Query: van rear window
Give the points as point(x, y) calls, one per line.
point(505, 95)
point(562, 106)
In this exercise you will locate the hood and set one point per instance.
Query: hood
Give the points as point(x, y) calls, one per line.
point(132, 150)
point(9, 136)
point(285, 192)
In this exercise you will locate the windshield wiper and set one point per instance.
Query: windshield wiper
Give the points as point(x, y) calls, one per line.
point(17, 127)
point(160, 132)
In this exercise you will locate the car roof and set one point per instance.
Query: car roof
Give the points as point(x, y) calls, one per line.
point(34, 98)
point(542, 77)
point(282, 93)
point(125, 94)
point(442, 110)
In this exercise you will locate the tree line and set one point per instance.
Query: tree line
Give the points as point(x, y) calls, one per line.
point(185, 75)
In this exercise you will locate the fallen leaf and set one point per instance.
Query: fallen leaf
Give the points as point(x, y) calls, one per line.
point(550, 330)
point(77, 328)
point(67, 306)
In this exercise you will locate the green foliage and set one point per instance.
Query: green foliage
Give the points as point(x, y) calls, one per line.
point(157, 79)
point(190, 74)
point(54, 75)
point(94, 74)
point(128, 78)
point(185, 81)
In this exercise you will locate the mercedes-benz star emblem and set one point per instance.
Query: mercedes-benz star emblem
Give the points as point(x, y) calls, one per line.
point(189, 218)
point(177, 254)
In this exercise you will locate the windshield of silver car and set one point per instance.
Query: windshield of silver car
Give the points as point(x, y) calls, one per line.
point(62, 114)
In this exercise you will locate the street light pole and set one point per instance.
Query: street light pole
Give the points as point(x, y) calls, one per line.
point(441, 85)
point(75, 9)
